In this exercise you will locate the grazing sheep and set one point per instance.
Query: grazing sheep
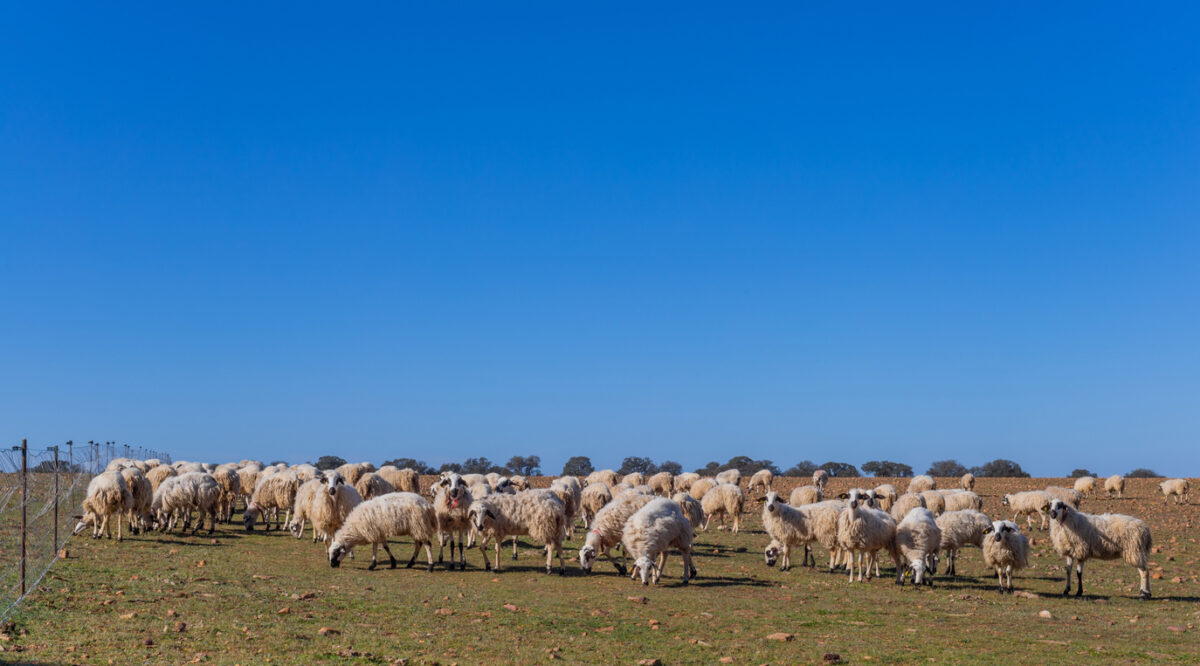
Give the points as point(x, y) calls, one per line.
point(405, 480)
point(1177, 488)
point(351, 472)
point(863, 532)
point(593, 498)
point(376, 520)
point(691, 509)
point(634, 479)
point(1068, 495)
point(108, 496)
point(963, 500)
point(730, 476)
point(1085, 486)
point(885, 494)
point(650, 532)
point(519, 482)
point(143, 496)
point(605, 476)
point(227, 477)
point(967, 481)
point(802, 495)
point(370, 485)
point(158, 474)
point(1028, 504)
point(920, 483)
point(537, 513)
point(820, 478)
point(723, 500)
point(452, 506)
point(1006, 550)
point(701, 487)
point(961, 528)
point(305, 472)
point(326, 500)
point(1080, 536)
point(180, 495)
point(683, 482)
point(473, 479)
point(917, 542)
point(905, 503)
point(566, 491)
point(661, 483)
point(248, 476)
point(761, 481)
point(274, 493)
point(934, 502)
point(1114, 484)
point(607, 528)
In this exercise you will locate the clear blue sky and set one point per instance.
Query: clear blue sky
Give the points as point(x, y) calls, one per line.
point(843, 232)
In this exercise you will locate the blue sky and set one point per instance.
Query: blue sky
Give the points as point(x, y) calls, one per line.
point(826, 232)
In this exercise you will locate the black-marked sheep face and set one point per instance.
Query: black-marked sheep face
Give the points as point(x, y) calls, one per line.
point(1058, 510)
point(856, 497)
point(480, 516)
point(587, 556)
point(337, 552)
point(332, 481)
point(1005, 500)
point(504, 485)
point(771, 554)
point(1000, 529)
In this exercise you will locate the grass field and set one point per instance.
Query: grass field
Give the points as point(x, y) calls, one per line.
point(259, 598)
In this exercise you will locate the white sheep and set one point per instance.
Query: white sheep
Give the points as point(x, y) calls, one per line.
point(920, 483)
point(566, 491)
point(180, 495)
point(730, 476)
point(156, 475)
point(651, 532)
point(917, 542)
point(227, 478)
point(885, 495)
point(634, 479)
point(691, 509)
point(723, 500)
point(370, 485)
point(934, 502)
point(375, 521)
point(962, 500)
point(1080, 536)
point(1006, 550)
point(761, 481)
point(274, 493)
point(661, 483)
point(142, 496)
point(820, 524)
point(605, 476)
point(519, 482)
point(863, 532)
point(701, 486)
point(1068, 495)
point(326, 500)
point(351, 472)
point(452, 506)
point(592, 499)
point(108, 496)
point(1085, 486)
point(802, 495)
point(305, 472)
point(1028, 504)
point(537, 513)
point(405, 480)
point(683, 482)
point(967, 481)
point(905, 503)
point(1114, 484)
point(961, 528)
point(820, 478)
point(248, 475)
point(606, 530)
point(1180, 489)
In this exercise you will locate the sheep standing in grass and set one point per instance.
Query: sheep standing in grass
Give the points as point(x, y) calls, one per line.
point(961, 528)
point(108, 496)
point(1114, 484)
point(723, 500)
point(905, 503)
point(390, 515)
point(566, 491)
point(605, 476)
point(227, 477)
point(661, 483)
point(1006, 550)
point(820, 478)
point(592, 499)
point(967, 481)
point(683, 482)
point(918, 539)
point(1028, 504)
point(962, 500)
point(885, 495)
point(537, 513)
point(179, 495)
point(761, 481)
point(920, 483)
point(651, 532)
point(273, 494)
point(326, 500)
point(1080, 536)
point(142, 495)
point(863, 532)
point(248, 475)
point(1085, 486)
point(156, 475)
point(370, 485)
point(1177, 488)
point(701, 487)
point(819, 524)
point(452, 506)
point(607, 528)
point(691, 509)
point(404, 480)
point(1068, 495)
point(730, 476)
point(934, 502)
point(802, 495)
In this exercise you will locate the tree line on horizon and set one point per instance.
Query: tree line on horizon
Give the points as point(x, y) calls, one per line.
point(582, 466)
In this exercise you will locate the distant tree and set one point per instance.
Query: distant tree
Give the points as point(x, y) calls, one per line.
point(946, 468)
point(329, 462)
point(803, 468)
point(1143, 473)
point(578, 466)
point(840, 469)
point(1076, 473)
point(671, 467)
point(887, 468)
point(637, 464)
point(525, 465)
point(481, 466)
point(450, 467)
point(1000, 468)
point(710, 469)
point(417, 465)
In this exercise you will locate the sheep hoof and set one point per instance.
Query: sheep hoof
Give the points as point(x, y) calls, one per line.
point(514, 557)
point(562, 571)
point(1144, 595)
point(371, 566)
point(430, 568)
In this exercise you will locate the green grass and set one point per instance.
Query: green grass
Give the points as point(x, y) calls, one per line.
point(231, 594)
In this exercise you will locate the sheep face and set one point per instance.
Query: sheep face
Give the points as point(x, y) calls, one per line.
point(85, 522)
point(480, 516)
point(250, 517)
point(587, 557)
point(771, 501)
point(332, 481)
point(1058, 510)
point(1005, 500)
point(504, 485)
point(858, 496)
point(772, 552)
point(337, 552)
point(1000, 530)
point(644, 567)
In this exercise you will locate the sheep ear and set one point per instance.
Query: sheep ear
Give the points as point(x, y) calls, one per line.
point(1045, 507)
point(844, 496)
point(988, 530)
point(490, 514)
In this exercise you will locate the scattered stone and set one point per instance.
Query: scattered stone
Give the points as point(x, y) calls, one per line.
point(780, 636)
point(148, 642)
point(638, 600)
point(180, 627)
point(511, 607)
point(128, 616)
point(1027, 595)
point(650, 662)
point(171, 613)
point(726, 660)
point(328, 631)
point(1045, 615)
point(444, 611)
point(832, 658)
point(284, 611)
point(1174, 628)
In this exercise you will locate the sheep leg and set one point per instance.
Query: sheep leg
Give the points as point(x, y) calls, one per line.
point(497, 567)
point(662, 564)
point(374, 551)
point(1067, 590)
point(442, 545)
point(1079, 578)
point(118, 527)
point(785, 562)
point(514, 540)
point(1144, 587)
point(562, 565)
point(462, 554)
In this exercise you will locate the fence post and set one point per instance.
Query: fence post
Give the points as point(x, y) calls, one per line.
point(24, 503)
point(54, 553)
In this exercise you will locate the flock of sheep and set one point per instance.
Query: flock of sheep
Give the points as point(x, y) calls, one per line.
point(630, 517)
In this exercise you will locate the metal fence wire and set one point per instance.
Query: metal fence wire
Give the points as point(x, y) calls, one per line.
point(41, 490)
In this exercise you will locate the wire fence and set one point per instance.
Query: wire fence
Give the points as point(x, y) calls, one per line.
point(41, 490)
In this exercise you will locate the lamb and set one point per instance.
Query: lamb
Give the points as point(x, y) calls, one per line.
point(634, 479)
point(607, 528)
point(273, 493)
point(538, 513)
point(1085, 485)
point(963, 500)
point(405, 480)
point(762, 480)
point(451, 507)
point(661, 483)
point(683, 482)
point(885, 494)
point(605, 476)
point(374, 521)
point(593, 498)
point(1006, 550)
point(1180, 489)
point(1080, 536)
point(802, 495)
point(108, 495)
point(691, 509)
point(701, 487)
point(961, 528)
point(820, 478)
point(934, 502)
point(920, 483)
point(1115, 484)
point(905, 503)
point(863, 532)
point(371, 485)
point(142, 494)
point(326, 500)
point(967, 481)
point(1027, 504)
point(918, 539)
point(182, 494)
point(650, 532)
point(156, 475)
point(724, 499)
point(730, 476)
point(1068, 495)
point(227, 478)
